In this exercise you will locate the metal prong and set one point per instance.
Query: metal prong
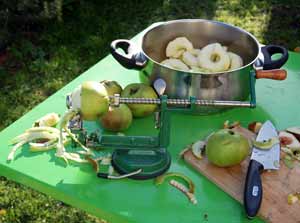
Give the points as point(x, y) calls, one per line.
point(157, 120)
point(115, 100)
point(69, 101)
point(159, 86)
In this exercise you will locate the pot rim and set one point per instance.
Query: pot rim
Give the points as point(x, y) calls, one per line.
point(158, 24)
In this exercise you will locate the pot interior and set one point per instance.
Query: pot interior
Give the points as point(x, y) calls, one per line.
point(200, 33)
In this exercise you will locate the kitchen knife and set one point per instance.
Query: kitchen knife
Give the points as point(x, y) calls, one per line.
point(260, 160)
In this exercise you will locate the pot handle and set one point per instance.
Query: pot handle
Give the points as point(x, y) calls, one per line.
point(268, 51)
point(132, 59)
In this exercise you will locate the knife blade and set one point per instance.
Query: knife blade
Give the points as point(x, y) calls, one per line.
point(260, 160)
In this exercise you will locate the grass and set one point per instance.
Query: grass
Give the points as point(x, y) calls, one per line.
point(43, 61)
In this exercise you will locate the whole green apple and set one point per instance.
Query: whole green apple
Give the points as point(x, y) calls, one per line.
point(139, 90)
point(227, 148)
point(117, 118)
point(112, 87)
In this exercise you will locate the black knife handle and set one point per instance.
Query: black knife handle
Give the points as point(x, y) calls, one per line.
point(253, 189)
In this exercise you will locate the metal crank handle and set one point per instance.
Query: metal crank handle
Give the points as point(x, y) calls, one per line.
point(107, 176)
point(116, 100)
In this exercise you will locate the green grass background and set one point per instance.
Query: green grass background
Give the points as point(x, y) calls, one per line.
point(42, 62)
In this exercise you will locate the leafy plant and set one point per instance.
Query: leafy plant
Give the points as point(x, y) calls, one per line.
point(18, 16)
point(30, 10)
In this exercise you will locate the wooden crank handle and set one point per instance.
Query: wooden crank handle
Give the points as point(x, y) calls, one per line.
point(277, 74)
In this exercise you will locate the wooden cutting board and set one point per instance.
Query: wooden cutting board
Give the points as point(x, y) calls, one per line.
point(276, 187)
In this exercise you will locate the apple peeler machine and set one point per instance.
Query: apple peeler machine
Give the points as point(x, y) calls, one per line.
point(145, 157)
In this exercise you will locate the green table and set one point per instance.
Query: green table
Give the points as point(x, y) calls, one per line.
point(141, 201)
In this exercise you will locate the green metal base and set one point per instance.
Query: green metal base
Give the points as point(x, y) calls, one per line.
point(152, 162)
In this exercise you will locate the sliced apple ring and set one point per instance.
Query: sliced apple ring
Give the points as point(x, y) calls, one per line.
point(176, 64)
point(214, 58)
point(235, 61)
point(178, 46)
point(189, 59)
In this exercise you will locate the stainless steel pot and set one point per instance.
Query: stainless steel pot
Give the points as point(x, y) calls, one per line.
point(229, 86)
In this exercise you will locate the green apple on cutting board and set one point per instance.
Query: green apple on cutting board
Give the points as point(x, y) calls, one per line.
point(227, 148)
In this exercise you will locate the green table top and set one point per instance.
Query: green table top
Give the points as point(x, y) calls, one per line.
point(141, 201)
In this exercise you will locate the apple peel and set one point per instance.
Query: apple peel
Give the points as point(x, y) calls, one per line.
point(295, 131)
point(94, 163)
point(43, 128)
point(36, 147)
point(288, 139)
point(61, 150)
point(293, 198)
point(26, 137)
point(184, 190)
point(36, 132)
point(266, 144)
point(228, 125)
point(288, 161)
point(160, 179)
point(198, 149)
point(45, 146)
point(290, 146)
point(182, 152)
point(255, 127)
point(14, 149)
point(49, 120)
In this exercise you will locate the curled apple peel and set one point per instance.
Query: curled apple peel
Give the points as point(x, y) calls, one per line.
point(198, 149)
point(49, 120)
point(160, 179)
